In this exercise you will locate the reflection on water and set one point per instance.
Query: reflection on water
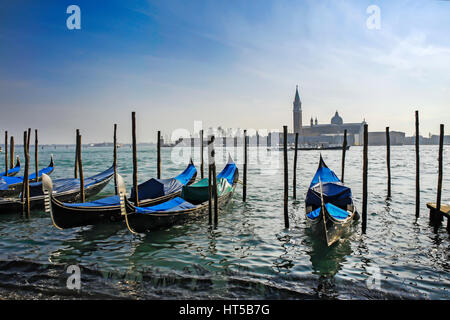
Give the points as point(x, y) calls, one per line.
point(248, 254)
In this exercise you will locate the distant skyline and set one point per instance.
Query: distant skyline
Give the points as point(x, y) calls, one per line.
point(232, 63)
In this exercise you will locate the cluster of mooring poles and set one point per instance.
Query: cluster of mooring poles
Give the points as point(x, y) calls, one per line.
point(437, 210)
point(9, 164)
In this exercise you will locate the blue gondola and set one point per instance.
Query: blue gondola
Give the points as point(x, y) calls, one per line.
point(13, 171)
point(329, 205)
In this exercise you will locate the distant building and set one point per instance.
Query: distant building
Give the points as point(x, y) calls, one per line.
point(379, 138)
point(330, 133)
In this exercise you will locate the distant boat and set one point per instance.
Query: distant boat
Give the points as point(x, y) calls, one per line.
point(311, 147)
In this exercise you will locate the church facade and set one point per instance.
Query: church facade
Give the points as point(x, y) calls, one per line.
point(326, 133)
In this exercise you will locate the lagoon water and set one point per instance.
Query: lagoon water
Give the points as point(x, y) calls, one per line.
point(249, 255)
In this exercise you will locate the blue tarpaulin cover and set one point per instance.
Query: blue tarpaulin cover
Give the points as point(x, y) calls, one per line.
point(187, 174)
point(176, 204)
point(103, 202)
point(11, 171)
point(333, 189)
point(228, 172)
point(6, 181)
point(334, 211)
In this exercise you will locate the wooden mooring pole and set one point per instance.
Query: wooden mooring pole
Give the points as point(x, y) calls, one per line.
point(286, 185)
point(25, 183)
point(417, 166)
point(437, 215)
point(158, 165)
point(202, 165)
point(365, 170)
point(75, 173)
point(11, 155)
point(388, 161)
point(6, 154)
point(294, 182)
point(214, 179)
point(36, 151)
point(115, 159)
point(244, 187)
point(344, 149)
point(135, 175)
point(80, 170)
point(209, 193)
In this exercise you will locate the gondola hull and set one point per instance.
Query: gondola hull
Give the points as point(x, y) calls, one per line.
point(65, 216)
point(141, 223)
point(37, 202)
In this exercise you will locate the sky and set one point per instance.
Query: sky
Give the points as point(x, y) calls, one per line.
point(230, 63)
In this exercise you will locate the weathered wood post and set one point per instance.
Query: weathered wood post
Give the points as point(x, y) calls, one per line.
point(417, 166)
point(115, 159)
point(25, 184)
point(365, 169)
point(135, 174)
point(36, 150)
point(286, 186)
point(244, 187)
point(80, 170)
point(388, 161)
point(437, 216)
point(11, 155)
point(158, 166)
point(75, 173)
point(344, 149)
point(294, 182)
point(202, 165)
point(257, 139)
point(6, 153)
point(211, 176)
point(214, 185)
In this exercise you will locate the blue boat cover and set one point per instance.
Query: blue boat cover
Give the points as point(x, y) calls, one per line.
point(333, 189)
point(176, 204)
point(334, 211)
point(70, 184)
point(47, 170)
point(187, 174)
point(103, 202)
point(155, 188)
point(11, 171)
point(6, 181)
point(228, 172)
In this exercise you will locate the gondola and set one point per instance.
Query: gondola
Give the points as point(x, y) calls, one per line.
point(63, 190)
point(13, 171)
point(329, 205)
point(193, 202)
point(12, 186)
point(69, 215)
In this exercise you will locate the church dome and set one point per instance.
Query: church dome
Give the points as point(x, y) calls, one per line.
point(337, 119)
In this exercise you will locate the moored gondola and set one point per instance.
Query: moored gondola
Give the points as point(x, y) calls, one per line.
point(12, 186)
point(63, 190)
point(153, 191)
point(193, 202)
point(13, 171)
point(329, 205)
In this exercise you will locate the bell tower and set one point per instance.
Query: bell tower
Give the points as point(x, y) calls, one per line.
point(297, 113)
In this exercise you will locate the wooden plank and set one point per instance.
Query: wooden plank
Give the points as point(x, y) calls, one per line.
point(445, 209)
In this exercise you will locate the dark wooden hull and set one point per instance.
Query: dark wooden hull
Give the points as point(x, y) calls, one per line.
point(37, 202)
point(65, 217)
point(140, 223)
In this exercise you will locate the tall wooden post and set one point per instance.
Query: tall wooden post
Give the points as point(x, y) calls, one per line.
point(439, 188)
point(25, 184)
point(365, 169)
point(388, 161)
point(214, 184)
point(201, 155)
point(417, 166)
point(115, 159)
point(257, 139)
point(344, 149)
point(75, 173)
point(11, 155)
point(80, 170)
point(6, 153)
point(286, 186)
point(36, 161)
point(294, 182)
point(158, 166)
point(209, 193)
point(211, 177)
point(135, 177)
point(244, 187)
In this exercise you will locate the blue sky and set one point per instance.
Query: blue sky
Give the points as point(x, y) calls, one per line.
point(228, 63)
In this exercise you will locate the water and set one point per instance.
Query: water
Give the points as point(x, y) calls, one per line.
point(249, 254)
